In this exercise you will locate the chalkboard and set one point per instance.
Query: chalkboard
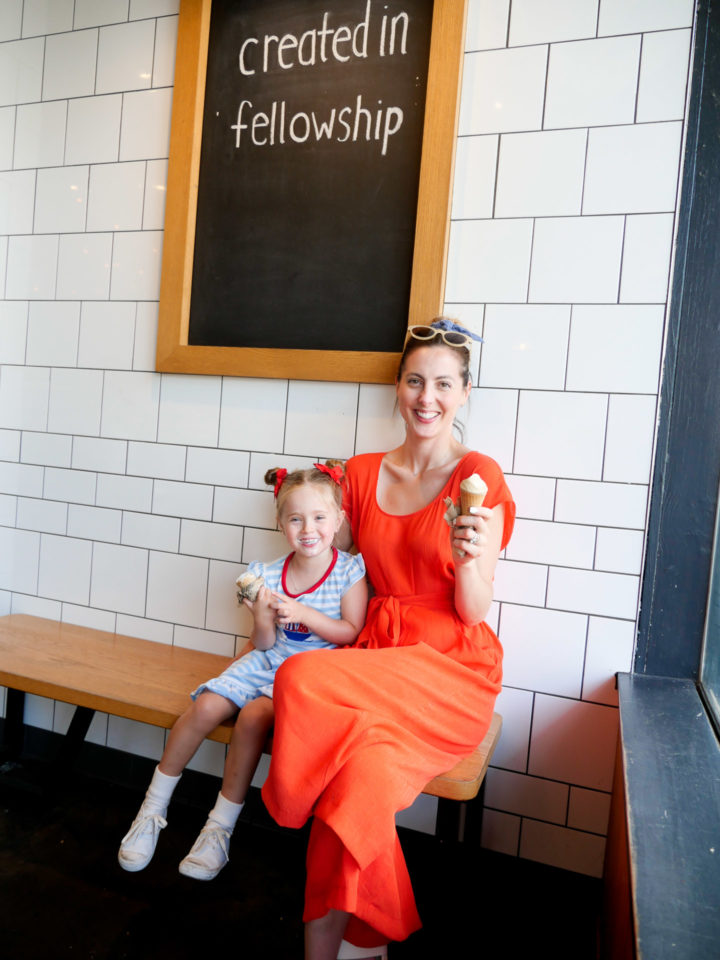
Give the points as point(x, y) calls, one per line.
point(309, 184)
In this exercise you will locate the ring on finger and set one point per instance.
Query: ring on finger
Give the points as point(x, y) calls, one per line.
point(474, 538)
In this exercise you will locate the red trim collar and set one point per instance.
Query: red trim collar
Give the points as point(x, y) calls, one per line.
point(314, 587)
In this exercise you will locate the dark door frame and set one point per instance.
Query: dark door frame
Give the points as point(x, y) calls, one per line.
point(684, 491)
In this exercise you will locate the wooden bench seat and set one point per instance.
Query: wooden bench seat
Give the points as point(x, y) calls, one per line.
point(150, 682)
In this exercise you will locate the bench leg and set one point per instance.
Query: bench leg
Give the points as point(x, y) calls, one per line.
point(14, 734)
point(73, 739)
point(67, 751)
point(459, 820)
point(450, 823)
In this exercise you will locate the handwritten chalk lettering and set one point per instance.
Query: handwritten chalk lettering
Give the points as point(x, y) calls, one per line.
point(401, 18)
point(347, 124)
point(324, 42)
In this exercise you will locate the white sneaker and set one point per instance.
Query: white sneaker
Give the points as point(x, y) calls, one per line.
point(138, 845)
point(209, 853)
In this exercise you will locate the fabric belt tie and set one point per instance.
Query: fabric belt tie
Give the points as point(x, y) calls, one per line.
point(387, 611)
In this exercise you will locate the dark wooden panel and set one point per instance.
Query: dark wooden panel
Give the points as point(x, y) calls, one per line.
point(671, 770)
point(685, 485)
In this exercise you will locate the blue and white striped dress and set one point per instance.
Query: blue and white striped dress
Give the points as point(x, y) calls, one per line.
point(253, 674)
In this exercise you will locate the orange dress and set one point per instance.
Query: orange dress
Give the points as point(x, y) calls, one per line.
point(360, 730)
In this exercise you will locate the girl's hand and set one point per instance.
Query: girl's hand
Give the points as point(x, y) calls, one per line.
point(263, 631)
point(287, 610)
point(469, 535)
point(261, 607)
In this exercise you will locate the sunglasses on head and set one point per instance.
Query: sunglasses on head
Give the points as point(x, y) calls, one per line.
point(453, 338)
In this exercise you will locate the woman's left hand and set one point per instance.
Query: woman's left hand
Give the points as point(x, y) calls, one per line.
point(469, 535)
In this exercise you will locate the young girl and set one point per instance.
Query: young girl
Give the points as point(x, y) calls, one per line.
point(316, 596)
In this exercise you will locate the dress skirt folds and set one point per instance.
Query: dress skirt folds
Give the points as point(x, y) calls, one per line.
point(360, 730)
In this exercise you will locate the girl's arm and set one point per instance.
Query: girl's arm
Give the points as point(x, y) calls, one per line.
point(353, 607)
point(263, 631)
point(475, 563)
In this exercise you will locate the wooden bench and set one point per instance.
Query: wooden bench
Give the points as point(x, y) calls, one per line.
point(150, 682)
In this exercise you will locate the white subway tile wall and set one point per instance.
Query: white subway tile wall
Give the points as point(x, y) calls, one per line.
point(130, 500)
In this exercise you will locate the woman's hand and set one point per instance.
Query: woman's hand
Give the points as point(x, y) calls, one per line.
point(469, 535)
point(475, 560)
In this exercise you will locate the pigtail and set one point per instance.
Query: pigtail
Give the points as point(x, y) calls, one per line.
point(276, 478)
point(271, 476)
point(337, 463)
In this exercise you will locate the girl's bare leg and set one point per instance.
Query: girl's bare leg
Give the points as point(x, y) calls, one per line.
point(190, 730)
point(205, 713)
point(246, 746)
point(324, 935)
point(210, 852)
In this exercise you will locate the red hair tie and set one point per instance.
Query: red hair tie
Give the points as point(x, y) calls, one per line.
point(279, 477)
point(335, 473)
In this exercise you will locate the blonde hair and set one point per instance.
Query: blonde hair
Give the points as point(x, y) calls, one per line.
point(312, 475)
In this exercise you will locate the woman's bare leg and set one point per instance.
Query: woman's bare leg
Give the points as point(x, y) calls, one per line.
point(324, 935)
point(190, 730)
point(246, 746)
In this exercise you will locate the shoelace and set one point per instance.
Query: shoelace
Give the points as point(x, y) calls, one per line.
point(210, 835)
point(153, 820)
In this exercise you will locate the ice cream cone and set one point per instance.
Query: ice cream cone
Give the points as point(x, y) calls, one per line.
point(472, 493)
point(248, 587)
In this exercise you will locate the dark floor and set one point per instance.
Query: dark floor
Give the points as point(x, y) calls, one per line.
point(62, 894)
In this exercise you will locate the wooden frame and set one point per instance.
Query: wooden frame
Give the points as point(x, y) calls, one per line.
point(174, 353)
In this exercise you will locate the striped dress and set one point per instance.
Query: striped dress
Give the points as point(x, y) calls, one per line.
point(253, 675)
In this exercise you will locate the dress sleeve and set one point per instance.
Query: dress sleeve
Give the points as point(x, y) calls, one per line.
point(355, 570)
point(256, 568)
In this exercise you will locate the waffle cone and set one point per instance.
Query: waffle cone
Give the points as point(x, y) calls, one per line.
point(468, 500)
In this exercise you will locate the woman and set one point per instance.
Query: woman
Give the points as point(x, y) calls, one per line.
point(359, 732)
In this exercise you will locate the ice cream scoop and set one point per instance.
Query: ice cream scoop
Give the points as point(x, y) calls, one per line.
point(249, 586)
point(472, 493)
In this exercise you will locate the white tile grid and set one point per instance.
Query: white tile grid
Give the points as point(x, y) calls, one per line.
point(538, 840)
point(552, 253)
point(8, 510)
point(559, 746)
point(10, 445)
point(11, 20)
point(46, 449)
point(623, 440)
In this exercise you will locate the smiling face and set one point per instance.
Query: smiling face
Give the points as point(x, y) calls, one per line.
point(430, 390)
point(310, 519)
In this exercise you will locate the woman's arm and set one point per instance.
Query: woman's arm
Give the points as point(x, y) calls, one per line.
point(353, 607)
point(475, 562)
point(343, 538)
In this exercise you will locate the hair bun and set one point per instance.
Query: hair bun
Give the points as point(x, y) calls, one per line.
point(336, 463)
point(271, 476)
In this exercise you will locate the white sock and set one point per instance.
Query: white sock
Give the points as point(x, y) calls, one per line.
point(225, 812)
point(160, 792)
